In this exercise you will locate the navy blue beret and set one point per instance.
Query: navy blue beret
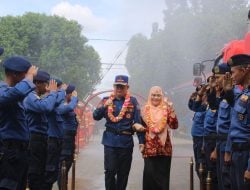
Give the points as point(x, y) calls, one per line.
point(70, 89)
point(42, 76)
point(238, 60)
point(1, 50)
point(221, 69)
point(17, 63)
point(121, 79)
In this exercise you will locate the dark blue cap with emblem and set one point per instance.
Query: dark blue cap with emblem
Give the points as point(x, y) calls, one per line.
point(221, 69)
point(70, 88)
point(17, 63)
point(42, 76)
point(239, 60)
point(1, 50)
point(121, 79)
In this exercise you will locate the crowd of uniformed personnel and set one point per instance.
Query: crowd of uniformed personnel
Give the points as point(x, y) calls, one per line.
point(221, 124)
point(37, 126)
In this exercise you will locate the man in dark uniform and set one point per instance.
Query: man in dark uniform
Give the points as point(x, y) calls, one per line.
point(55, 136)
point(14, 132)
point(37, 105)
point(197, 130)
point(223, 124)
point(210, 122)
point(70, 124)
point(239, 131)
point(121, 111)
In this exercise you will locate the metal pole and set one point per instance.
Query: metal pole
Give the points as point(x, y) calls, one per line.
point(209, 181)
point(63, 176)
point(191, 174)
point(201, 175)
point(73, 173)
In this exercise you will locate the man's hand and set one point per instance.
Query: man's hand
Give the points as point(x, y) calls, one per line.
point(141, 148)
point(138, 127)
point(52, 85)
point(74, 93)
point(31, 73)
point(213, 155)
point(247, 175)
point(227, 158)
point(227, 82)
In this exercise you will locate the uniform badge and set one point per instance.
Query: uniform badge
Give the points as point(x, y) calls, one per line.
point(244, 98)
point(241, 116)
point(216, 69)
point(128, 115)
point(230, 62)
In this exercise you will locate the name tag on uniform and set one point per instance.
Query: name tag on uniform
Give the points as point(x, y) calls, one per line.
point(241, 116)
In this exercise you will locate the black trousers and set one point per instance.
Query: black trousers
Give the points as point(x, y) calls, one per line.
point(156, 173)
point(210, 145)
point(13, 166)
point(67, 155)
point(117, 164)
point(199, 155)
point(37, 160)
point(223, 171)
point(52, 162)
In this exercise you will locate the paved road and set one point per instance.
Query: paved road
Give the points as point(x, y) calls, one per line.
point(90, 173)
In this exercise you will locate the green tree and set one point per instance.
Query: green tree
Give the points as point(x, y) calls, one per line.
point(54, 44)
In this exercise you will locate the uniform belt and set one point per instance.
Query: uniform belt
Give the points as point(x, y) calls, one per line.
point(222, 137)
point(14, 144)
point(38, 137)
point(211, 137)
point(240, 146)
point(54, 140)
point(69, 133)
point(118, 132)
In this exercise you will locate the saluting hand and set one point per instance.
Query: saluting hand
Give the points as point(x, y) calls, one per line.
point(74, 93)
point(227, 82)
point(31, 72)
point(52, 85)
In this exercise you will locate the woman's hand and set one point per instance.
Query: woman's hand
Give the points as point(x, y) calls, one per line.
point(141, 148)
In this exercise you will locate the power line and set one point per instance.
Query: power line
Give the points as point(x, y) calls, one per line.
point(108, 40)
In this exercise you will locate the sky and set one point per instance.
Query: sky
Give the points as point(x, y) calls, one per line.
point(101, 19)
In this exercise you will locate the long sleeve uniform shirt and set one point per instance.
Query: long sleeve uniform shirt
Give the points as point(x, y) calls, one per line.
point(36, 108)
point(55, 120)
point(13, 125)
point(68, 115)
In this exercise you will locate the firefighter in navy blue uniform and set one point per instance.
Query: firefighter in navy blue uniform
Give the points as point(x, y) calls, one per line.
point(14, 132)
point(70, 124)
point(121, 111)
point(55, 137)
point(239, 132)
point(210, 122)
point(37, 105)
point(223, 124)
point(197, 130)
